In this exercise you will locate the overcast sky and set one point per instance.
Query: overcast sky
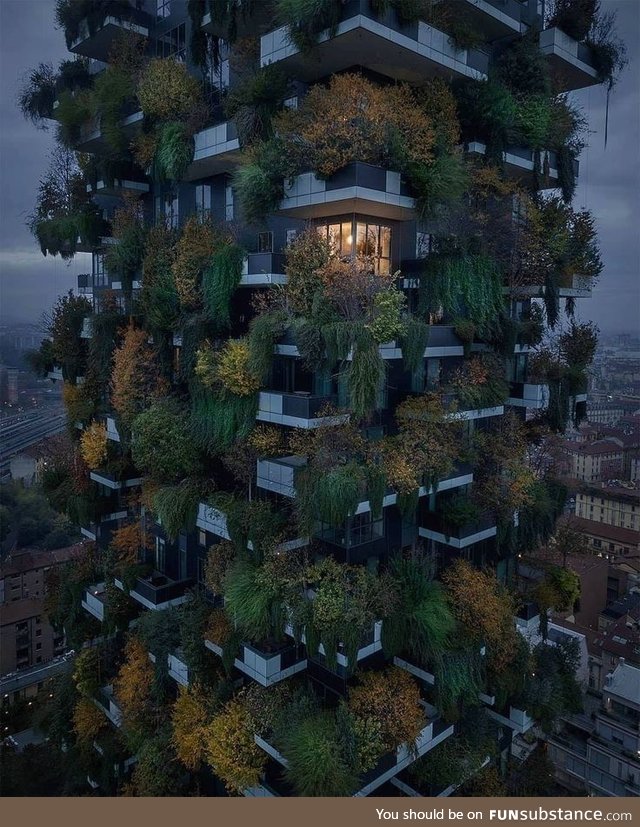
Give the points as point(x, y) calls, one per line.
point(609, 178)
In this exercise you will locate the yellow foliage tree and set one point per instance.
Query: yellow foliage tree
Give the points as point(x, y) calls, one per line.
point(127, 542)
point(88, 721)
point(133, 685)
point(231, 750)
point(232, 368)
point(190, 718)
point(192, 253)
point(93, 445)
point(167, 91)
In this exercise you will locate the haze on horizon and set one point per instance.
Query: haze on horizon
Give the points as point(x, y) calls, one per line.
point(609, 183)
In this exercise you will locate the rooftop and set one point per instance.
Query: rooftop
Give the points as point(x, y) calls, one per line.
point(611, 533)
point(26, 559)
point(625, 682)
point(604, 446)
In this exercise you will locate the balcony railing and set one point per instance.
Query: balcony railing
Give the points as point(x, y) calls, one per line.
point(267, 667)
point(380, 43)
point(357, 188)
point(571, 62)
point(263, 268)
point(158, 591)
point(295, 409)
point(216, 148)
point(93, 600)
point(434, 527)
point(98, 42)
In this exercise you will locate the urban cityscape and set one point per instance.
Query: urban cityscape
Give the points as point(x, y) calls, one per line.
point(323, 478)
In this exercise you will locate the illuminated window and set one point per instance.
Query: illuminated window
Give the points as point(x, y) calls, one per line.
point(372, 241)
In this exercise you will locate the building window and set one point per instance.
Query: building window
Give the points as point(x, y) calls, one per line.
point(166, 208)
point(99, 274)
point(38, 647)
point(291, 236)
point(265, 242)
point(202, 538)
point(203, 201)
point(228, 203)
point(163, 8)
point(173, 44)
point(372, 241)
point(218, 72)
point(160, 555)
point(423, 244)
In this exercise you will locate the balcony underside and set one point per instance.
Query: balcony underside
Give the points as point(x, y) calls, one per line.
point(363, 42)
point(349, 200)
point(99, 45)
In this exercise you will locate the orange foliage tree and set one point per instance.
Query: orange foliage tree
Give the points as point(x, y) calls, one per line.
point(485, 610)
point(135, 379)
point(390, 702)
point(133, 686)
point(127, 542)
point(88, 721)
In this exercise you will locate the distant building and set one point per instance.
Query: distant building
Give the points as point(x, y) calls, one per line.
point(616, 505)
point(594, 461)
point(608, 540)
point(599, 753)
point(28, 639)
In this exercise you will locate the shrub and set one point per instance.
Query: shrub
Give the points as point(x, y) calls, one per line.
point(233, 369)
point(189, 718)
point(173, 151)
point(220, 281)
point(316, 763)
point(167, 91)
point(161, 446)
point(308, 253)
point(176, 506)
point(38, 94)
point(193, 252)
point(135, 380)
point(306, 19)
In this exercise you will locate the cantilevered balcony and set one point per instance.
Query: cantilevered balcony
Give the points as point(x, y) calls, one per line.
point(573, 286)
point(157, 591)
point(216, 149)
point(357, 188)
point(105, 701)
point(262, 269)
point(409, 52)
point(87, 328)
point(85, 287)
point(267, 666)
point(255, 20)
point(434, 527)
point(494, 18)
point(94, 599)
point(92, 139)
point(118, 187)
point(434, 732)
point(571, 63)
point(98, 41)
point(528, 395)
point(520, 164)
point(298, 410)
point(115, 480)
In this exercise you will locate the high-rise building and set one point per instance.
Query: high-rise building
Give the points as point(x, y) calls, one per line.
point(325, 239)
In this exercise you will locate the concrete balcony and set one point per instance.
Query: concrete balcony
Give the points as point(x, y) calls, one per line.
point(494, 18)
point(114, 481)
point(519, 164)
point(176, 665)
point(93, 601)
point(112, 429)
point(87, 327)
point(357, 188)
point(259, 269)
point(433, 733)
point(55, 374)
point(250, 23)
point(106, 702)
point(571, 63)
point(411, 52)
point(158, 591)
point(526, 395)
point(216, 149)
point(433, 527)
point(267, 667)
point(278, 475)
point(99, 43)
point(369, 645)
point(92, 139)
point(298, 410)
point(517, 720)
point(118, 187)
